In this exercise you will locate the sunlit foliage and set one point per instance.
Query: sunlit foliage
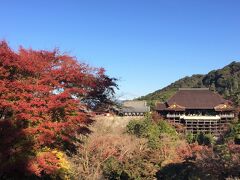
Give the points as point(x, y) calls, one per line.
point(43, 100)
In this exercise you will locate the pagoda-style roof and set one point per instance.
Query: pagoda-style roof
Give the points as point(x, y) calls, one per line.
point(195, 98)
point(164, 106)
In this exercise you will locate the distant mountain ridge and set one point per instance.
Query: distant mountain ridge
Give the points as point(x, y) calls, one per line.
point(225, 81)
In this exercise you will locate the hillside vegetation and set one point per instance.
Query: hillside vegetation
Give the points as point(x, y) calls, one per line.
point(150, 148)
point(225, 81)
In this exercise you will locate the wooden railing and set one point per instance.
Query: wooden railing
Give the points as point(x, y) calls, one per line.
point(173, 115)
point(199, 115)
point(226, 115)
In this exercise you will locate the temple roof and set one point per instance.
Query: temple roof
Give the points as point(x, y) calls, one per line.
point(193, 98)
point(135, 106)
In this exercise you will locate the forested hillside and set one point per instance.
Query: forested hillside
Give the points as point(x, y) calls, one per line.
point(225, 81)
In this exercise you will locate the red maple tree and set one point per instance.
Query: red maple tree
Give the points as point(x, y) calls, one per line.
point(43, 97)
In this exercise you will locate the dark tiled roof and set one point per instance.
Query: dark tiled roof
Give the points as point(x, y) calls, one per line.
point(161, 106)
point(135, 106)
point(196, 98)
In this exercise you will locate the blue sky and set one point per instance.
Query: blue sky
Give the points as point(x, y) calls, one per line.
point(147, 44)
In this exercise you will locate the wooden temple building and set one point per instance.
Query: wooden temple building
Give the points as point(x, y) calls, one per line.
point(134, 108)
point(199, 110)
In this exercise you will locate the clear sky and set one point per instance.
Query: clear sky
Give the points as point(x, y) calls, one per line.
point(147, 44)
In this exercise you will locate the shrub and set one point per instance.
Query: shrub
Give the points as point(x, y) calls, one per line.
point(234, 133)
point(152, 131)
point(205, 139)
point(208, 140)
point(237, 139)
point(190, 138)
point(166, 128)
point(137, 127)
point(112, 169)
point(182, 171)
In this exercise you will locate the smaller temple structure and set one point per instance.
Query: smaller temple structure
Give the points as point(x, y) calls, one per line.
point(134, 108)
point(199, 110)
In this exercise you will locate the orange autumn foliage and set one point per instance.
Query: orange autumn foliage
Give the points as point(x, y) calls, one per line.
point(43, 97)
